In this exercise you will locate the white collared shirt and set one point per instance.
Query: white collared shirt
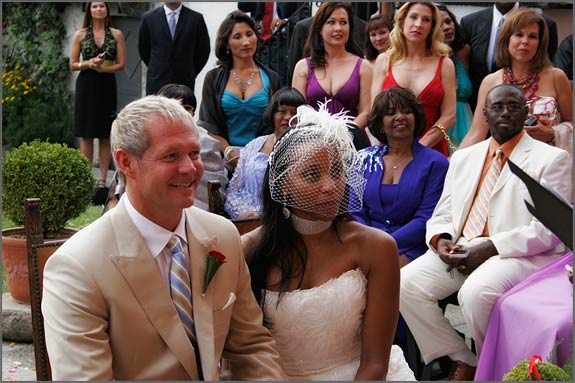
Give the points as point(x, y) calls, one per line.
point(168, 12)
point(156, 237)
point(496, 17)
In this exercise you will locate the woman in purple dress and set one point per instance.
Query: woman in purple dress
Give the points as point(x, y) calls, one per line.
point(404, 178)
point(334, 70)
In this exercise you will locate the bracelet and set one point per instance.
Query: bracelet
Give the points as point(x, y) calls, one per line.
point(227, 154)
point(447, 138)
point(80, 65)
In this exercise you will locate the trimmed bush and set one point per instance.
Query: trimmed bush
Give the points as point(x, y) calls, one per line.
point(60, 176)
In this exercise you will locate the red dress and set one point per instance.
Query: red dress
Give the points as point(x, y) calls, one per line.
point(431, 97)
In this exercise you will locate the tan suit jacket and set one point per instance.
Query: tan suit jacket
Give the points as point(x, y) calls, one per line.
point(514, 231)
point(108, 312)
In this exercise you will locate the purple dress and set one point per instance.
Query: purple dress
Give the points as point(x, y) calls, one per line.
point(528, 320)
point(347, 98)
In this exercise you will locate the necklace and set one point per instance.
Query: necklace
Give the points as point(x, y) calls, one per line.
point(528, 86)
point(243, 86)
point(308, 227)
point(395, 166)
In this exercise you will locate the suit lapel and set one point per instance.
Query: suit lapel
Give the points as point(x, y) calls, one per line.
point(519, 154)
point(199, 244)
point(162, 22)
point(138, 267)
point(484, 46)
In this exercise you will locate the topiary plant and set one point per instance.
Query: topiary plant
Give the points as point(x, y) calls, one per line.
point(548, 372)
point(60, 176)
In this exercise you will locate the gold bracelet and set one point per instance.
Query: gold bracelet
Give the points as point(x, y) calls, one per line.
point(80, 65)
point(447, 138)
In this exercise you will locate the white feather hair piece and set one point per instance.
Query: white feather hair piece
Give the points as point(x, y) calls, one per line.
point(335, 125)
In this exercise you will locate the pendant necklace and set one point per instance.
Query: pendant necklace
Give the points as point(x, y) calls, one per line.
point(244, 86)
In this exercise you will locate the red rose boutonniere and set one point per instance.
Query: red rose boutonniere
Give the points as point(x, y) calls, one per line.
point(215, 260)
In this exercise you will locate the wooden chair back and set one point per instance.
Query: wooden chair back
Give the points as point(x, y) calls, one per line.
point(216, 205)
point(39, 251)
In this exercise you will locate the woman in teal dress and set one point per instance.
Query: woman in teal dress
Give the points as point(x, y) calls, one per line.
point(454, 37)
point(236, 93)
point(97, 52)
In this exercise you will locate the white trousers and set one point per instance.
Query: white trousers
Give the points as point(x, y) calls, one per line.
point(425, 280)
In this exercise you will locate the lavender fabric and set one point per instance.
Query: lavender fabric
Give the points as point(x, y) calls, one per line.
point(528, 320)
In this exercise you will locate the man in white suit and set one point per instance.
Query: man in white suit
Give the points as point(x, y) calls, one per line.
point(510, 246)
point(107, 303)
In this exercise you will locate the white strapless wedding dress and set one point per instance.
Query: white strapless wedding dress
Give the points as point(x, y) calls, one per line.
point(318, 331)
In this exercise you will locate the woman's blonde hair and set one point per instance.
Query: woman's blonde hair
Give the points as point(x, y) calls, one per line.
point(516, 20)
point(434, 42)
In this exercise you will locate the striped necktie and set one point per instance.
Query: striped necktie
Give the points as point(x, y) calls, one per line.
point(478, 216)
point(180, 284)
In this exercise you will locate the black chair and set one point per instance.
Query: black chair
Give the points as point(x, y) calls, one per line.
point(39, 250)
point(427, 372)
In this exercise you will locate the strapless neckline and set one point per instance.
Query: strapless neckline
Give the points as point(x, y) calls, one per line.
point(330, 281)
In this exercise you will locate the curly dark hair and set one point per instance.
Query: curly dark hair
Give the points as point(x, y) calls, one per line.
point(394, 98)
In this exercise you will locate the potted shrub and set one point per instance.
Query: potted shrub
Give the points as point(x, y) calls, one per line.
point(61, 177)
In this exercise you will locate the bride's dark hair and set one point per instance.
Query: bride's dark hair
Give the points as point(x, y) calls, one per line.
point(277, 245)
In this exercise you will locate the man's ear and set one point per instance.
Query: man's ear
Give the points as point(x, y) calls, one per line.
point(125, 162)
point(485, 113)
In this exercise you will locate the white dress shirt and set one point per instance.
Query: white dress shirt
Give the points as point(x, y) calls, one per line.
point(169, 13)
point(157, 238)
point(497, 16)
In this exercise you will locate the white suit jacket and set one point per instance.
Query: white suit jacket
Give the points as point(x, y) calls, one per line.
point(108, 312)
point(514, 231)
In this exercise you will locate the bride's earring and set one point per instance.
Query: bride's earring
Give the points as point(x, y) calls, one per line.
point(286, 212)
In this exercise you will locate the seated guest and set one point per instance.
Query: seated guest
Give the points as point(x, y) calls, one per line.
point(209, 147)
point(522, 55)
point(481, 213)
point(237, 91)
point(404, 178)
point(209, 153)
point(244, 193)
point(377, 37)
point(334, 69)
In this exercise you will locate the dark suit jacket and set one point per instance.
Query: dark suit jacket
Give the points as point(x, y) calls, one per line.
point(477, 28)
point(285, 10)
point(299, 38)
point(177, 61)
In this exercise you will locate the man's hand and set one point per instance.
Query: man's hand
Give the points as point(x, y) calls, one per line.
point(477, 255)
point(444, 247)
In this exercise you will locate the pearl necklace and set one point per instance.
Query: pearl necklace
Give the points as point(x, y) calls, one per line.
point(243, 86)
point(308, 227)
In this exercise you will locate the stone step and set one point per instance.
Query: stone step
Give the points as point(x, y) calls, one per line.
point(16, 320)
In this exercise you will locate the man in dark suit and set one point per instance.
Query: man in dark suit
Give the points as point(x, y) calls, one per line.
point(481, 30)
point(299, 38)
point(173, 59)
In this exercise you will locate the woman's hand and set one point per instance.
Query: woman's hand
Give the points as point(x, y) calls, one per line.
point(540, 132)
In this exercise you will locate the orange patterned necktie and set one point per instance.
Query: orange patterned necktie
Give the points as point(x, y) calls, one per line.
point(478, 216)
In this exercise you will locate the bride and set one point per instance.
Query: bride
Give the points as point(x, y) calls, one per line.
point(328, 286)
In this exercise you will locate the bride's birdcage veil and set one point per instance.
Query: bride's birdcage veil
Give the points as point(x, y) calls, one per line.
point(315, 167)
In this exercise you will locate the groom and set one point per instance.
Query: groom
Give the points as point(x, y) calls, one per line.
point(112, 307)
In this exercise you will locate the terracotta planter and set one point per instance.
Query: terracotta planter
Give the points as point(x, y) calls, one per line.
point(15, 261)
